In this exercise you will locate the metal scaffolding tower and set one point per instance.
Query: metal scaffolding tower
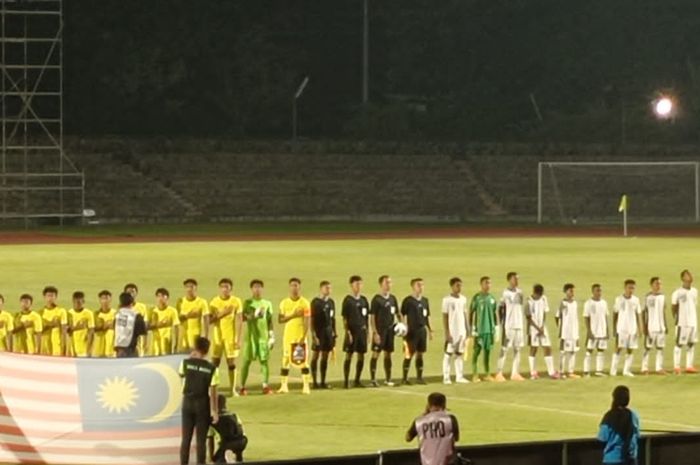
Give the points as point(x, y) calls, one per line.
point(38, 182)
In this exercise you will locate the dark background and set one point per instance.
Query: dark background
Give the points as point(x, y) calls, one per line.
point(439, 70)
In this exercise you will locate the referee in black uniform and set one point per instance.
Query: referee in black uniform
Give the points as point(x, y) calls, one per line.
point(199, 404)
point(383, 312)
point(416, 313)
point(323, 327)
point(355, 315)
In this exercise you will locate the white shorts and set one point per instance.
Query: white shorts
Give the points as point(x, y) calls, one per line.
point(598, 343)
point(655, 340)
point(627, 341)
point(513, 338)
point(686, 335)
point(457, 346)
point(568, 345)
point(540, 340)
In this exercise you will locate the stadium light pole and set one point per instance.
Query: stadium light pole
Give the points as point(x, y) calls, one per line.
point(297, 94)
point(365, 52)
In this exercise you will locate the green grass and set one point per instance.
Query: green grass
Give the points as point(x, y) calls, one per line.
point(367, 420)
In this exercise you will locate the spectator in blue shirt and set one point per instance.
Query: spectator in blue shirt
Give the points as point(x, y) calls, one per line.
point(619, 431)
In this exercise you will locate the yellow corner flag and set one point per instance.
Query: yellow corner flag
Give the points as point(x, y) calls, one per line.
point(623, 204)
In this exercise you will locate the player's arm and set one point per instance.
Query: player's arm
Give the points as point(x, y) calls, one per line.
point(213, 397)
point(238, 323)
point(373, 309)
point(91, 335)
point(446, 321)
point(427, 323)
point(674, 306)
point(65, 338)
point(411, 433)
point(644, 317)
point(206, 320)
point(307, 323)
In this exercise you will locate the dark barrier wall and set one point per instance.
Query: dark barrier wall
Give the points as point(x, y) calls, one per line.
point(661, 449)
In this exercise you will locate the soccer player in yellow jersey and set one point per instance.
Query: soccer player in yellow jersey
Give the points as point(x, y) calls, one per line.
point(144, 345)
point(82, 326)
point(7, 326)
point(226, 322)
point(194, 314)
point(295, 314)
point(28, 327)
point(103, 344)
point(54, 338)
point(165, 323)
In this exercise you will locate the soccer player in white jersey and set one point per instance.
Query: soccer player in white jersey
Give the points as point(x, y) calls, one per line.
point(595, 314)
point(567, 320)
point(511, 314)
point(627, 313)
point(684, 302)
point(655, 330)
point(538, 336)
point(456, 324)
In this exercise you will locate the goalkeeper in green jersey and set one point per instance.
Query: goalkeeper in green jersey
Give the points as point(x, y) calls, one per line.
point(259, 336)
point(483, 321)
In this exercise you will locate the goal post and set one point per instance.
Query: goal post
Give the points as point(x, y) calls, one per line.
point(589, 192)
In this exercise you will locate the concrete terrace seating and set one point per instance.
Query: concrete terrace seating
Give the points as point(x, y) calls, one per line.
point(224, 185)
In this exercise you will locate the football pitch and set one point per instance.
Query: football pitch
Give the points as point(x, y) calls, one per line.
point(340, 422)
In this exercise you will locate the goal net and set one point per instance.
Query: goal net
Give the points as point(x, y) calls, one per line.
point(590, 192)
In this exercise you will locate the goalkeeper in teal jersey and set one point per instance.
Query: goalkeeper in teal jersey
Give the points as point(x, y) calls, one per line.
point(483, 321)
point(259, 336)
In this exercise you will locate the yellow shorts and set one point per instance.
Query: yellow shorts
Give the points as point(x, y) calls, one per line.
point(162, 345)
point(227, 348)
point(51, 344)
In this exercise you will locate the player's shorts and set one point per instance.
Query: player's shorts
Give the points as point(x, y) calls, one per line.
point(597, 343)
point(513, 338)
point(326, 341)
point(485, 341)
point(256, 350)
point(386, 343)
point(655, 340)
point(686, 335)
point(540, 340)
point(457, 346)
point(568, 345)
point(627, 341)
point(416, 341)
point(358, 344)
point(226, 349)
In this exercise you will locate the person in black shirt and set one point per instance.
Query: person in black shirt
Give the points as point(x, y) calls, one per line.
point(355, 312)
point(199, 404)
point(382, 318)
point(323, 332)
point(226, 437)
point(415, 311)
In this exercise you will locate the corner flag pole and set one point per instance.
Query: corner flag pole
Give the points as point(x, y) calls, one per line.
point(623, 209)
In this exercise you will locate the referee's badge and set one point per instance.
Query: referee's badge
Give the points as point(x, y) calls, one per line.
point(332, 313)
point(364, 311)
point(425, 312)
point(393, 310)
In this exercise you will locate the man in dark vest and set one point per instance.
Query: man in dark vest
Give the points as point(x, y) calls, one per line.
point(128, 327)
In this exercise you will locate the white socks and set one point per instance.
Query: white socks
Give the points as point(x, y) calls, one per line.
point(599, 362)
point(459, 366)
point(613, 365)
point(689, 357)
point(549, 361)
point(587, 363)
point(516, 363)
point(501, 360)
point(628, 364)
point(531, 361)
point(659, 360)
point(572, 362)
point(645, 360)
point(677, 357)
point(446, 367)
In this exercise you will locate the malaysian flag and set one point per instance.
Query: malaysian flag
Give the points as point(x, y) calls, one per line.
point(89, 411)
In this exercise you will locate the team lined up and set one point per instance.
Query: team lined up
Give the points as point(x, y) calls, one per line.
point(232, 324)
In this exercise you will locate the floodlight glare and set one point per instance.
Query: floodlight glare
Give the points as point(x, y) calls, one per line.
point(663, 107)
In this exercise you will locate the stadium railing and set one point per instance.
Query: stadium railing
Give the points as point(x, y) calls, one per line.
point(656, 449)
